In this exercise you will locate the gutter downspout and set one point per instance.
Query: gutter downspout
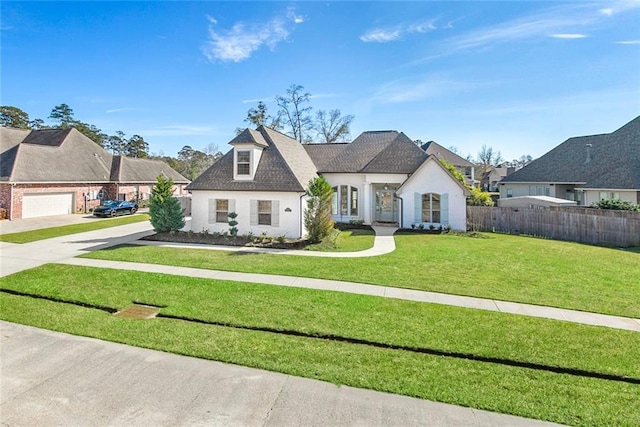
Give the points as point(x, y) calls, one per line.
point(401, 209)
point(301, 215)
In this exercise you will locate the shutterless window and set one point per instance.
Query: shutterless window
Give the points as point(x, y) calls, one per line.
point(344, 200)
point(222, 210)
point(334, 202)
point(264, 212)
point(244, 163)
point(354, 201)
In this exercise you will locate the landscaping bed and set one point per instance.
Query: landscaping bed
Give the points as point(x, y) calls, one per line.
point(225, 239)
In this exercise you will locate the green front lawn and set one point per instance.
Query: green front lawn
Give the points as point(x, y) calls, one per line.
point(345, 241)
point(503, 267)
point(48, 233)
point(444, 334)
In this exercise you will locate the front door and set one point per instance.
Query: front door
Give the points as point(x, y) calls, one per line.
point(386, 206)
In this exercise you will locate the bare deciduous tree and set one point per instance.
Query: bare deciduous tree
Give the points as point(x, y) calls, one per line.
point(333, 127)
point(294, 112)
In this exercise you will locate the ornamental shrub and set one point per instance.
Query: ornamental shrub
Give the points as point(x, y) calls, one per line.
point(164, 209)
point(616, 204)
point(317, 217)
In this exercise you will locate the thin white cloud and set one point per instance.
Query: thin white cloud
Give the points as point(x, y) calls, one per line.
point(120, 110)
point(429, 87)
point(293, 17)
point(560, 22)
point(381, 35)
point(394, 33)
point(568, 36)
point(177, 130)
point(243, 39)
point(628, 42)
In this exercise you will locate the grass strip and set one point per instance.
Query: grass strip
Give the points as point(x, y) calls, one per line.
point(518, 391)
point(333, 314)
point(502, 267)
point(48, 233)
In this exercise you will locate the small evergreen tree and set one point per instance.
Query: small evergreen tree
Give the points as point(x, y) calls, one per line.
point(317, 217)
point(233, 230)
point(164, 209)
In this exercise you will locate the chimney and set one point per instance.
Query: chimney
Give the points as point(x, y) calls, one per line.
point(588, 153)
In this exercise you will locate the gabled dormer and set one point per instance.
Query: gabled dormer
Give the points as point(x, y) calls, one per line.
point(247, 150)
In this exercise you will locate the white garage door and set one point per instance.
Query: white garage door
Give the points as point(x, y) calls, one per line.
point(46, 204)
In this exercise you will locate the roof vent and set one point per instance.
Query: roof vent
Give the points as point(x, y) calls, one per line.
point(588, 153)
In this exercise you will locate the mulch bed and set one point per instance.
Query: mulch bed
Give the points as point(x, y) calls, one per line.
point(226, 240)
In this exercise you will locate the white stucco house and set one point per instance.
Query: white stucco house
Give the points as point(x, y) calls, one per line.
point(380, 177)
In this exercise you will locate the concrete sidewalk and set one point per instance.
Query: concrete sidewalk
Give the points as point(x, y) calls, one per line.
point(50, 378)
point(616, 322)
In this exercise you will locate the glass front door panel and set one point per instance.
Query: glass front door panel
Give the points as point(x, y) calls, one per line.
point(385, 206)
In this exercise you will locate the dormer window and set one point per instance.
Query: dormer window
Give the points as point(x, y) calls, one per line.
point(243, 165)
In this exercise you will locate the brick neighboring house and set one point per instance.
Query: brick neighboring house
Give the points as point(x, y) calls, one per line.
point(584, 169)
point(61, 171)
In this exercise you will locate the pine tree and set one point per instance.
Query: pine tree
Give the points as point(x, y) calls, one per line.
point(164, 209)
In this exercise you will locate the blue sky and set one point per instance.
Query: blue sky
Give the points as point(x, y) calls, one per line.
point(518, 76)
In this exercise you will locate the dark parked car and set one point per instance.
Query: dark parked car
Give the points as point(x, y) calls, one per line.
point(115, 207)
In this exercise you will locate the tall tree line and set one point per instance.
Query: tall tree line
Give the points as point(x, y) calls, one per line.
point(62, 117)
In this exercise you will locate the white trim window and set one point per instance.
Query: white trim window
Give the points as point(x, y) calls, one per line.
point(345, 200)
point(219, 210)
point(265, 212)
point(431, 208)
point(243, 162)
point(222, 210)
point(604, 195)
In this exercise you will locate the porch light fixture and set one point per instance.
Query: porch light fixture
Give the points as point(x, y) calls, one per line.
point(287, 210)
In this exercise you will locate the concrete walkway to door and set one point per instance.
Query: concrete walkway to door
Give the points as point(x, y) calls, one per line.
point(383, 243)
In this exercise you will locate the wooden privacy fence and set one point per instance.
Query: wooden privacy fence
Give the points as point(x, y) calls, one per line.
point(584, 225)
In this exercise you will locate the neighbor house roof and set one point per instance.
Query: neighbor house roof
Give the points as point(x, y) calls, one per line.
point(448, 156)
point(607, 161)
point(283, 166)
point(68, 156)
point(55, 155)
point(133, 170)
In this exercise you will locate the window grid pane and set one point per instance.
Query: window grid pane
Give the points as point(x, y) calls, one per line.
point(354, 201)
point(243, 160)
point(222, 210)
point(264, 212)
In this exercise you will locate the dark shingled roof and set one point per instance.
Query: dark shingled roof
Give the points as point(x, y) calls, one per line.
point(49, 137)
point(66, 155)
point(283, 166)
point(323, 154)
point(614, 161)
point(387, 151)
point(400, 156)
point(287, 165)
point(250, 136)
point(448, 156)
